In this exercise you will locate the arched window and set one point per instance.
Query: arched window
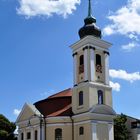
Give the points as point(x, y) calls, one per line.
point(28, 135)
point(98, 59)
point(58, 134)
point(22, 136)
point(81, 64)
point(80, 98)
point(100, 97)
point(98, 63)
point(81, 131)
point(36, 135)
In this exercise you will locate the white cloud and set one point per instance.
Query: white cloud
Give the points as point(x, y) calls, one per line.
point(115, 86)
point(125, 21)
point(16, 112)
point(129, 46)
point(31, 8)
point(122, 74)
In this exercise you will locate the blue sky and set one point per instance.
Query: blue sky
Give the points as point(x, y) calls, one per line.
point(35, 58)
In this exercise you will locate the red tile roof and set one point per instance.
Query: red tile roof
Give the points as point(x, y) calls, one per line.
point(61, 111)
point(58, 104)
point(64, 93)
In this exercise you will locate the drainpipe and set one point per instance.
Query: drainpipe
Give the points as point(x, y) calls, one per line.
point(45, 123)
point(72, 121)
point(40, 128)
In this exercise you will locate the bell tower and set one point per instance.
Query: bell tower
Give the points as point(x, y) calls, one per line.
point(91, 68)
point(91, 94)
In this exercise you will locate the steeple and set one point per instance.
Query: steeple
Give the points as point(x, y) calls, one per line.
point(90, 28)
point(89, 9)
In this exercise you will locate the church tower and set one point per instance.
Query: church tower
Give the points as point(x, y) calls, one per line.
point(92, 94)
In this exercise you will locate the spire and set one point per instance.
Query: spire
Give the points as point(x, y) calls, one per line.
point(89, 19)
point(89, 9)
point(89, 28)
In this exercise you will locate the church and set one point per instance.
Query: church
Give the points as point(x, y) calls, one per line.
point(83, 112)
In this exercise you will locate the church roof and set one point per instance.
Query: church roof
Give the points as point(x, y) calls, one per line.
point(58, 104)
point(64, 93)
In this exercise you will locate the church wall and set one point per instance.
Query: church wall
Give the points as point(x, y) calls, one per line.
point(66, 132)
point(90, 97)
point(108, 97)
point(87, 131)
point(102, 132)
point(93, 98)
point(75, 102)
point(30, 130)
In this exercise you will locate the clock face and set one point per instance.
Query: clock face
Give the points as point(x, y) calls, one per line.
point(99, 68)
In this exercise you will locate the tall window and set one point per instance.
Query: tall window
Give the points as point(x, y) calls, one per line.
point(58, 134)
point(98, 59)
point(36, 134)
point(98, 63)
point(81, 131)
point(100, 97)
point(80, 98)
point(81, 64)
point(22, 136)
point(28, 135)
point(81, 60)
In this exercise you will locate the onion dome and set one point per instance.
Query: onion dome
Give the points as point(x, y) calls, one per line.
point(90, 27)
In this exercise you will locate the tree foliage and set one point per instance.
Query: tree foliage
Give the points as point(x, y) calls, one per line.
point(7, 129)
point(120, 129)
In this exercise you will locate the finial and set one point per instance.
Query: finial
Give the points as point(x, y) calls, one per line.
point(89, 19)
point(90, 27)
point(89, 9)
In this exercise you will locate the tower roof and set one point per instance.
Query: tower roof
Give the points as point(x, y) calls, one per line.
point(90, 27)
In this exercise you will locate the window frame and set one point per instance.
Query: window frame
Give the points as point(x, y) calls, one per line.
point(28, 135)
point(22, 136)
point(81, 98)
point(100, 97)
point(81, 60)
point(81, 64)
point(58, 134)
point(36, 135)
point(81, 130)
point(98, 60)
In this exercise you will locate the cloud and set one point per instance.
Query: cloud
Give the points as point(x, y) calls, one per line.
point(125, 21)
point(115, 86)
point(122, 74)
point(30, 8)
point(16, 112)
point(129, 46)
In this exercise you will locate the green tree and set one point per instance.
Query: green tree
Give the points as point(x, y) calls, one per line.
point(120, 129)
point(7, 129)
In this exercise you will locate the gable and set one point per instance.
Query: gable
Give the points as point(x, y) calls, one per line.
point(27, 111)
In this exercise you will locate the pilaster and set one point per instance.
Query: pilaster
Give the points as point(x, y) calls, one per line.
point(85, 63)
point(106, 67)
point(92, 64)
point(75, 68)
point(94, 131)
point(111, 131)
